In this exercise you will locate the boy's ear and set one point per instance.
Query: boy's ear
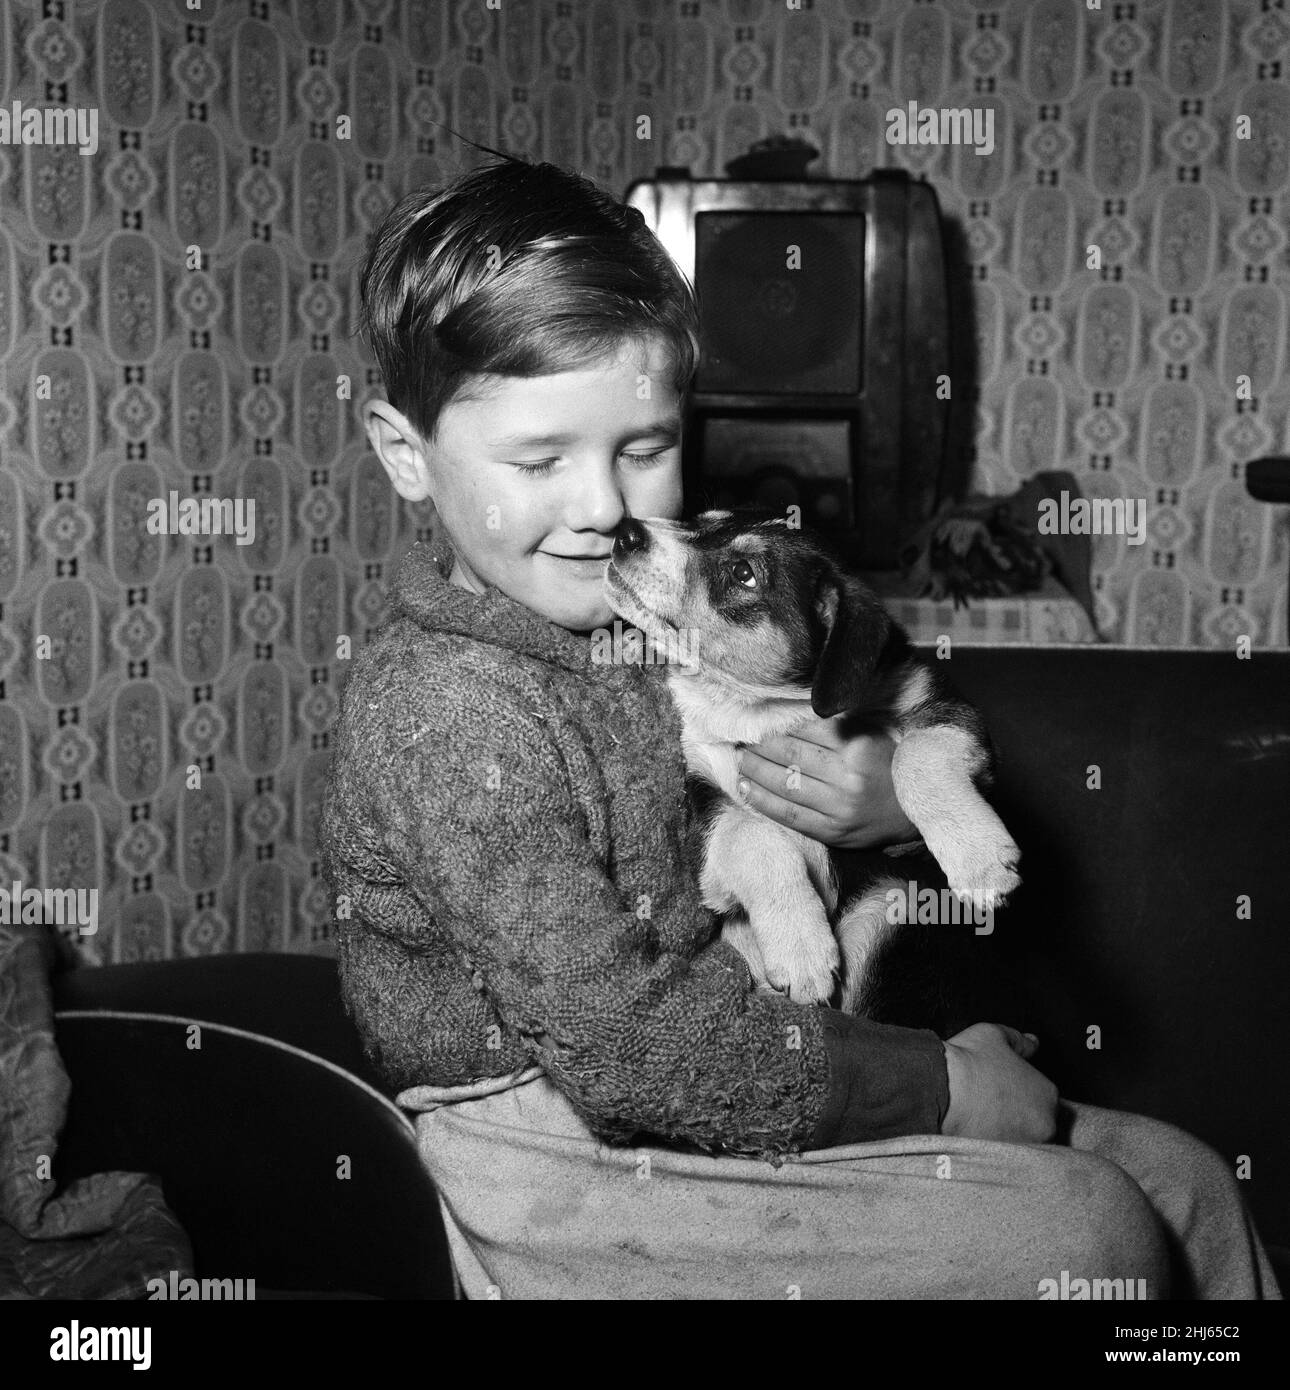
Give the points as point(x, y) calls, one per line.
point(399, 447)
point(858, 627)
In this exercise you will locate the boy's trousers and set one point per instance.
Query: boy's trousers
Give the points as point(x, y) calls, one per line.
point(536, 1207)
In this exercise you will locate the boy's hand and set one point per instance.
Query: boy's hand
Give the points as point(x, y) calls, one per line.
point(994, 1091)
point(843, 795)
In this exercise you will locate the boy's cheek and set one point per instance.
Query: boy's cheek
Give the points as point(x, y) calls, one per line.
point(477, 526)
point(662, 495)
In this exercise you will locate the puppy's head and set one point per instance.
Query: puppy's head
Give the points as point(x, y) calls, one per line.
point(762, 604)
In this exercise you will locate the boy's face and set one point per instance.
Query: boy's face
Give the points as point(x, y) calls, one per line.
point(531, 479)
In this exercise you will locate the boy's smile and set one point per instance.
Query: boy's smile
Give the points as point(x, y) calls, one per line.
point(531, 475)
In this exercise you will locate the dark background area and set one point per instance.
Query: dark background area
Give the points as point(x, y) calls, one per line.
point(1127, 914)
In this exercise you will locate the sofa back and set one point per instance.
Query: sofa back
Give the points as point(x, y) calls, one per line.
point(1132, 919)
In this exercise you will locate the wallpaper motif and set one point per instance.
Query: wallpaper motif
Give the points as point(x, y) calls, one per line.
point(1115, 127)
point(271, 137)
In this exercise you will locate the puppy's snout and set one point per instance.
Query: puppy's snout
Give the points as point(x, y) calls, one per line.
point(630, 536)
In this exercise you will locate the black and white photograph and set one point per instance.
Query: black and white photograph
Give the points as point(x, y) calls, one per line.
point(644, 656)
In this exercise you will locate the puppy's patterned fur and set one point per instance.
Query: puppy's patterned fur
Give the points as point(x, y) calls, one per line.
point(775, 627)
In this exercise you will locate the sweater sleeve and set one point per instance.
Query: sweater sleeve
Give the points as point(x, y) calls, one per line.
point(885, 1081)
point(640, 1039)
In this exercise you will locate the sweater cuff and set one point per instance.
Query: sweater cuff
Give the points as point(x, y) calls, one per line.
point(884, 1081)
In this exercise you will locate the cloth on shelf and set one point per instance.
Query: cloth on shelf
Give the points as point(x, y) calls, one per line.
point(991, 547)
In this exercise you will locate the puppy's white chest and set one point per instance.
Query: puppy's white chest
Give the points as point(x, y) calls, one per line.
point(712, 723)
point(714, 762)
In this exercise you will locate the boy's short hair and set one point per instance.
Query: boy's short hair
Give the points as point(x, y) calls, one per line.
point(514, 269)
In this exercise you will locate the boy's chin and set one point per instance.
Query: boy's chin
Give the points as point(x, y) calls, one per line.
point(579, 613)
point(586, 619)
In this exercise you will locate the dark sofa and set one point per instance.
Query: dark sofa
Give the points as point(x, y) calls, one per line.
point(1127, 922)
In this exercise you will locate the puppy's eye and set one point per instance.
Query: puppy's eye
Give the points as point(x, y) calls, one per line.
point(742, 573)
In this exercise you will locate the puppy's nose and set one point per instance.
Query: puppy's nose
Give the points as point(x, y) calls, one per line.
point(630, 535)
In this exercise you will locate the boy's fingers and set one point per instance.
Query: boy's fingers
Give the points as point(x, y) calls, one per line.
point(783, 751)
point(795, 748)
point(1025, 1045)
point(789, 813)
point(773, 777)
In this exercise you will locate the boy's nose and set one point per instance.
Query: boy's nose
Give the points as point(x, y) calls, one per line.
point(630, 535)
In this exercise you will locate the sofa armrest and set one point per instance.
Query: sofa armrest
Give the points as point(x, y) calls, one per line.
point(293, 998)
point(281, 1167)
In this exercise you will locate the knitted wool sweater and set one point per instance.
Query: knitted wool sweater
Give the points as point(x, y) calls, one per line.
point(509, 847)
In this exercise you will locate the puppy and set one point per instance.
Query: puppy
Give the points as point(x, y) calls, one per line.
point(773, 627)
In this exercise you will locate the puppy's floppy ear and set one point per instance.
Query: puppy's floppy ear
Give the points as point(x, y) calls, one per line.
point(858, 627)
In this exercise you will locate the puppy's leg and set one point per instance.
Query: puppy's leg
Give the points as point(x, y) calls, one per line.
point(771, 872)
point(932, 771)
point(738, 933)
point(864, 925)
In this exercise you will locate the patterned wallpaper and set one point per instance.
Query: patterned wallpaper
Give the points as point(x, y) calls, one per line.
point(1116, 127)
point(175, 310)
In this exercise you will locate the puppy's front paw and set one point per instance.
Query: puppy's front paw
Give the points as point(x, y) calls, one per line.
point(806, 968)
point(986, 875)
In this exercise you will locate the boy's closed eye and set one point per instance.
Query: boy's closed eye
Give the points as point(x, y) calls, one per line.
point(541, 466)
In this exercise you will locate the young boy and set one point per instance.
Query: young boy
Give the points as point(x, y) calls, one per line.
point(520, 933)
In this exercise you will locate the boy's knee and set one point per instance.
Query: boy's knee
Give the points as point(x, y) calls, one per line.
point(1111, 1230)
point(1192, 1173)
